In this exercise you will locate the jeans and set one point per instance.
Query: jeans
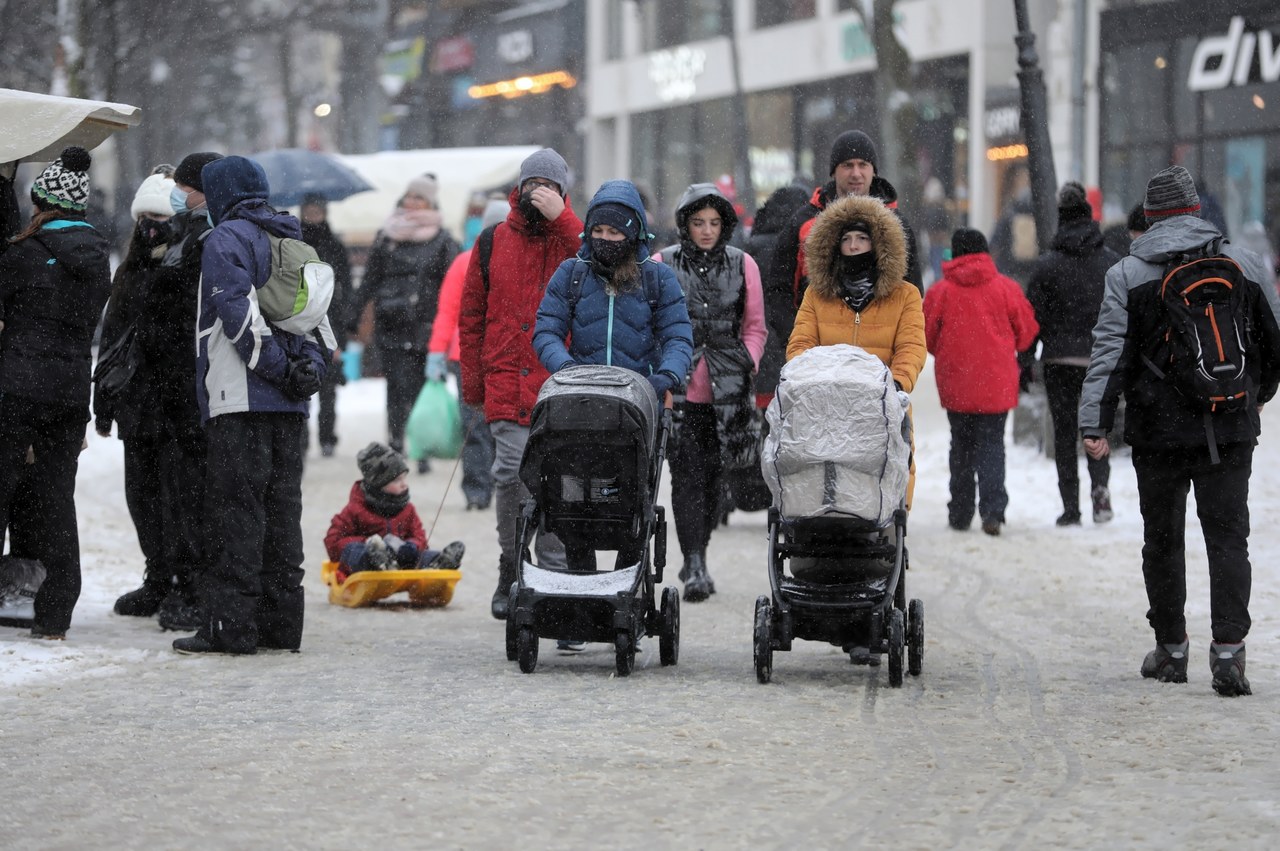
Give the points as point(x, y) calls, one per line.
point(1062, 383)
point(977, 451)
point(509, 440)
point(1165, 477)
point(477, 450)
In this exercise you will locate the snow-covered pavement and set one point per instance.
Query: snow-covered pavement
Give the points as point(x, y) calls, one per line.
point(397, 728)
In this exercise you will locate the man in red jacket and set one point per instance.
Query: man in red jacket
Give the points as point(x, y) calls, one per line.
point(975, 322)
point(495, 327)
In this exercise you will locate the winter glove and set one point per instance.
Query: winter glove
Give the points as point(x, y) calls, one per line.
point(904, 399)
point(407, 555)
point(662, 383)
point(436, 367)
point(1026, 377)
point(301, 380)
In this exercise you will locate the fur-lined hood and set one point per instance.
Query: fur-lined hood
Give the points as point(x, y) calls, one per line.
point(887, 240)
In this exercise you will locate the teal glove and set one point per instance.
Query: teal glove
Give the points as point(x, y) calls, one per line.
point(437, 368)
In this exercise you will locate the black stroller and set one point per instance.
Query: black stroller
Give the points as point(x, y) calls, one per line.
point(597, 440)
point(838, 517)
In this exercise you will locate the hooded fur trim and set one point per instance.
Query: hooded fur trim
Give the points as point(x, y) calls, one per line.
point(823, 244)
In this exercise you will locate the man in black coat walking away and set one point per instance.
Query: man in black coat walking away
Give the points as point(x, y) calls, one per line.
point(854, 171)
point(1178, 439)
point(1065, 290)
point(316, 233)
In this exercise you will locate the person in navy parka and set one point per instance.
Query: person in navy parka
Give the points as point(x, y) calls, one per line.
point(253, 383)
point(630, 310)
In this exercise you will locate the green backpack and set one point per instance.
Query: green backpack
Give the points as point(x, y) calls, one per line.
point(297, 294)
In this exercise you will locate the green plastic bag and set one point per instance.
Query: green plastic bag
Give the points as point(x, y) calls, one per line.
point(434, 429)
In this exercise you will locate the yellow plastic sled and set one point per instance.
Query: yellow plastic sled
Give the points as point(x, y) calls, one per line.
point(432, 588)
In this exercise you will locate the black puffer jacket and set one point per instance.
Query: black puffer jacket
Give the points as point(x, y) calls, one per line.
point(1066, 287)
point(52, 289)
point(771, 220)
point(331, 250)
point(403, 281)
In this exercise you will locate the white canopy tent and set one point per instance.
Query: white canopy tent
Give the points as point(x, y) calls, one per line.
point(459, 171)
point(36, 127)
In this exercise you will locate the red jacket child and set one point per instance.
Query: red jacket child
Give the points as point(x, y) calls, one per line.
point(379, 505)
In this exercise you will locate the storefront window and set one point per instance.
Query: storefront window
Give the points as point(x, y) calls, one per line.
point(770, 13)
point(667, 23)
point(672, 148)
point(613, 30)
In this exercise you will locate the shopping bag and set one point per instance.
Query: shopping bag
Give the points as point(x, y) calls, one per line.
point(435, 424)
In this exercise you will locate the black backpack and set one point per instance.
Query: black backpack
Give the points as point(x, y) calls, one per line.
point(1207, 343)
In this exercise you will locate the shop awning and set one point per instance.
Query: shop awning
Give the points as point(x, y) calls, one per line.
point(36, 127)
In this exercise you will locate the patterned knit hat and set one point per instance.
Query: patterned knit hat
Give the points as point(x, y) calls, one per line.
point(380, 465)
point(64, 184)
point(1171, 192)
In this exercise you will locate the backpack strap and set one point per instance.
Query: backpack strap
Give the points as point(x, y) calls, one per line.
point(484, 244)
point(580, 270)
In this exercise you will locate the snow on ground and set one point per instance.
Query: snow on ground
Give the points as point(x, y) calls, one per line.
point(1029, 727)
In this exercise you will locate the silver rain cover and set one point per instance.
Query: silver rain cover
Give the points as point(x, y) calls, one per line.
point(836, 441)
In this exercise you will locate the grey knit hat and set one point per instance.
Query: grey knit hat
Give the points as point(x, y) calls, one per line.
point(426, 187)
point(548, 165)
point(1171, 192)
point(380, 465)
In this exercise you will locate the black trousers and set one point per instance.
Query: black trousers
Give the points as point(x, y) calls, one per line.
point(696, 472)
point(55, 432)
point(327, 420)
point(1062, 383)
point(405, 372)
point(977, 453)
point(164, 490)
point(252, 590)
point(1165, 476)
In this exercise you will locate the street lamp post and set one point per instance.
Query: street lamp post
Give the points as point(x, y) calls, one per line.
point(1035, 130)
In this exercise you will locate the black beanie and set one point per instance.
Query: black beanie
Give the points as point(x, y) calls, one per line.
point(1073, 203)
point(853, 145)
point(188, 171)
point(1138, 219)
point(380, 465)
point(968, 241)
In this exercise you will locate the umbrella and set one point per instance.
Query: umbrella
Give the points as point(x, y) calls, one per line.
point(37, 127)
point(295, 173)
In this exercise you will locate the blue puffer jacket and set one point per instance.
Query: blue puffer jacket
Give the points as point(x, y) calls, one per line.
point(619, 330)
point(241, 360)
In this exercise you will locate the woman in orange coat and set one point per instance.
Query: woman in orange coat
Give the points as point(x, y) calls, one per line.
point(856, 254)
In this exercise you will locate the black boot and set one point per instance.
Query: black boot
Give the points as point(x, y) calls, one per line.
point(502, 594)
point(697, 582)
point(142, 602)
point(180, 612)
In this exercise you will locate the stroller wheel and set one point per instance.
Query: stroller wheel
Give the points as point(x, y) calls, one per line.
point(915, 637)
point(897, 643)
point(625, 646)
point(669, 627)
point(527, 649)
point(762, 639)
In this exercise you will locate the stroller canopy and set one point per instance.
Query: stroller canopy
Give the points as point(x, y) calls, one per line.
point(836, 443)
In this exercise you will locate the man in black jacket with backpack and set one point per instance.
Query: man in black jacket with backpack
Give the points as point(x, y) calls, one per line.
point(1185, 428)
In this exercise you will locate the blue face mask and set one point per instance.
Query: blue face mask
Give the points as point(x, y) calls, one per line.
point(178, 200)
point(208, 215)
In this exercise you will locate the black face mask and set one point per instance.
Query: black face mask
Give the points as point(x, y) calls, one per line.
point(383, 503)
point(610, 252)
point(153, 233)
point(527, 209)
point(854, 267)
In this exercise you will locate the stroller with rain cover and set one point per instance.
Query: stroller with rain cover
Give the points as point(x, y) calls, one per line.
point(597, 440)
point(837, 460)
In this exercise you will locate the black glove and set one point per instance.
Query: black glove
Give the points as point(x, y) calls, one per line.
point(1026, 377)
point(407, 555)
point(301, 380)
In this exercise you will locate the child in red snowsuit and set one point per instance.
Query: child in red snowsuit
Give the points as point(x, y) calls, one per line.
point(379, 528)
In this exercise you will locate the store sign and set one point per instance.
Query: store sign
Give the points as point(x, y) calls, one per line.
point(453, 54)
point(515, 46)
point(675, 73)
point(1234, 55)
point(1004, 122)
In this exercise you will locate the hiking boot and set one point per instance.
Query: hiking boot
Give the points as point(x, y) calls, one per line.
point(450, 558)
point(991, 527)
point(198, 644)
point(1226, 661)
point(424, 466)
point(697, 581)
point(39, 632)
point(502, 594)
point(1167, 663)
point(327, 449)
point(1068, 518)
point(142, 602)
point(179, 614)
point(1102, 505)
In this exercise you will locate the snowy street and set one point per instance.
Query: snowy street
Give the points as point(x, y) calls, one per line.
point(402, 728)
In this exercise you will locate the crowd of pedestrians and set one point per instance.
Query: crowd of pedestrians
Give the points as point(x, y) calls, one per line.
point(213, 412)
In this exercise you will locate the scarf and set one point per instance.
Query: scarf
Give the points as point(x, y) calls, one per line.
point(857, 288)
point(382, 503)
point(412, 225)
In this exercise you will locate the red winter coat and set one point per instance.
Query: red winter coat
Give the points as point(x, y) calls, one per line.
point(357, 521)
point(444, 330)
point(499, 368)
point(975, 322)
